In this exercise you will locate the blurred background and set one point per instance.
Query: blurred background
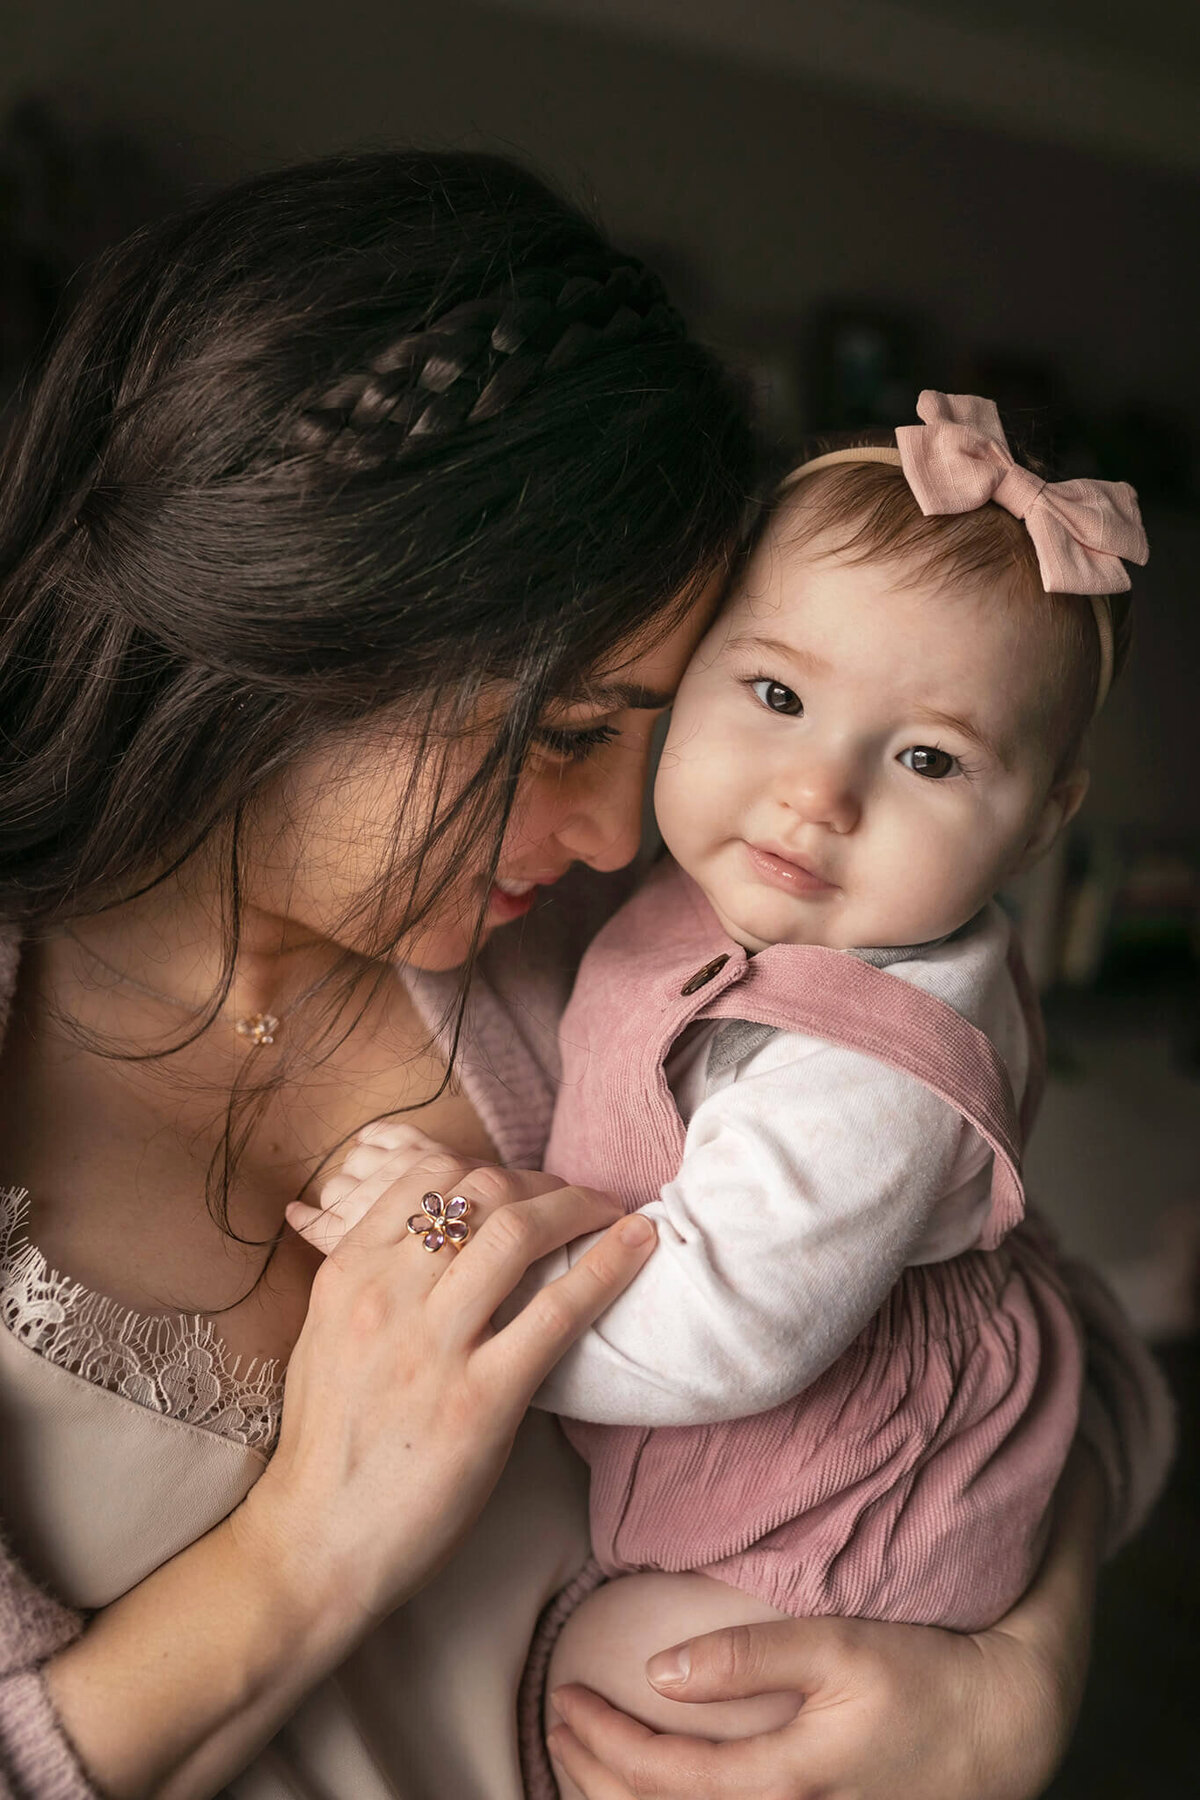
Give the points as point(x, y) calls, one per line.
point(852, 200)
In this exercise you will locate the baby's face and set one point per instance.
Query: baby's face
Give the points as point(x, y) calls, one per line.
point(858, 757)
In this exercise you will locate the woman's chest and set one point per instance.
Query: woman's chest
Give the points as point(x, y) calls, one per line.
point(148, 1186)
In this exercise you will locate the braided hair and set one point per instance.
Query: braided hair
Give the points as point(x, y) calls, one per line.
point(346, 441)
point(333, 439)
point(482, 355)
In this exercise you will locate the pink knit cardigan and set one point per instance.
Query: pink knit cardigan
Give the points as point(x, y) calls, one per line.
point(508, 1069)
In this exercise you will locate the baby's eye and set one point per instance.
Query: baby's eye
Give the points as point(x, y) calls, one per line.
point(778, 698)
point(934, 764)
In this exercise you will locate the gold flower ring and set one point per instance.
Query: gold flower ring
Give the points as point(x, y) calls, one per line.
point(441, 1220)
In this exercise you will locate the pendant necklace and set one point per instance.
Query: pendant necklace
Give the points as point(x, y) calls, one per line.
point(258, 1028)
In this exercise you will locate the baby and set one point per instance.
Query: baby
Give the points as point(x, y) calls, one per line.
point(848, 1378)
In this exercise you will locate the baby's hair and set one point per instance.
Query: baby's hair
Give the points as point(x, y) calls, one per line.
point(868, 513)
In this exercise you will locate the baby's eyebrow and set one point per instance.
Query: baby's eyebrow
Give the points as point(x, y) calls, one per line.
point(807, 661)
point(953, 722)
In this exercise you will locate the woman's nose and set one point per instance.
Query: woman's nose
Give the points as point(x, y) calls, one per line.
point(603, 822)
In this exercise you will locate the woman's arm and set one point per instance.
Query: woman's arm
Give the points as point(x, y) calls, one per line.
point(891, 1712)
point(399, 1413)
point(193, 1668)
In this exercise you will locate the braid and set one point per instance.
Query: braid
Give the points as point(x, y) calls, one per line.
point(480, 356)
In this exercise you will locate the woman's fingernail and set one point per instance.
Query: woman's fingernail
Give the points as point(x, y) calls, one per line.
point(636, 1230)
point(555, 1708)
point(552, 1744)
point(670, 1667)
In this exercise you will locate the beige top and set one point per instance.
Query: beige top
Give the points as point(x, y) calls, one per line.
point(126, 1438)
point(98, 1490)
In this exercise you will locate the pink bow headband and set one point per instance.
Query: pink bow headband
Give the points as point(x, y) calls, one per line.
point(959, 459)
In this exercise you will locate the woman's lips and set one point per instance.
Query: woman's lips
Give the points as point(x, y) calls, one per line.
point(782, 872)
point(510, 898)
point(502, 906)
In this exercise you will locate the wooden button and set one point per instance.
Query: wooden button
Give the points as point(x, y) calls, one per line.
point(703, 976)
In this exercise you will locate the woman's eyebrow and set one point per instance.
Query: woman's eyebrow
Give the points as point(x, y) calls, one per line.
point(622, 696)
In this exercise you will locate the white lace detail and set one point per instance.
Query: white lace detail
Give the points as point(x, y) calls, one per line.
point(175, 1365)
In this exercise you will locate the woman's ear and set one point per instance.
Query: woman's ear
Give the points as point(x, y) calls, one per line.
point(1062, 803)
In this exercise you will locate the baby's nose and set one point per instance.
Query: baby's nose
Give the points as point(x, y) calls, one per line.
point(824, 793)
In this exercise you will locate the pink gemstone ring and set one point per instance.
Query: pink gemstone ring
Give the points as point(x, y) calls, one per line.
point(441, 1221)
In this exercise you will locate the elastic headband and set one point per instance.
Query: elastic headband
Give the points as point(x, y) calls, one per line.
point(959, 459)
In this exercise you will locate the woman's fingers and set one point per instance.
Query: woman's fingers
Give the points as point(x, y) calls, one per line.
point(575, 1760)
point(793, 1655)
point(595, 1739)
point(382, 1205)
point(347, 1198)
point(532, 1342)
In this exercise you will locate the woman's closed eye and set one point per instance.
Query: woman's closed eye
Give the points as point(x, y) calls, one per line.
point(930, 762)
point(575, 743)
point(776, 697)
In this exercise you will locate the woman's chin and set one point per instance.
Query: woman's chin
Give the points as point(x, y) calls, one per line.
point(444, 947)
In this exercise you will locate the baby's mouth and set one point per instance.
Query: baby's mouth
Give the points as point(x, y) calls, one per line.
point(787, 872)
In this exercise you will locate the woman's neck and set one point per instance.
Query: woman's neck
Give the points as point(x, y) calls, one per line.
point(162, 962)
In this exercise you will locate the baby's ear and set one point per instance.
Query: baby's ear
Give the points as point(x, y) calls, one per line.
point(1062, 803)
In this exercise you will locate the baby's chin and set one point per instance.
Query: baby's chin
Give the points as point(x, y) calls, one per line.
point(821, 926)
point(755, 929)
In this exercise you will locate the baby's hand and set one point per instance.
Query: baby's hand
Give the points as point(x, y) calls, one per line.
point(381, 1153)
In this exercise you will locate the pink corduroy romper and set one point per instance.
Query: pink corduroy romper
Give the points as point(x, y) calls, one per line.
point(911, 1480)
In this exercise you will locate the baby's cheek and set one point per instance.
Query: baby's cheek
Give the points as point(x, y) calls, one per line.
point(939, 882)
point(691, 794)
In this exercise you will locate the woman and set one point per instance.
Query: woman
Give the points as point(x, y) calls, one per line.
point(353, 539)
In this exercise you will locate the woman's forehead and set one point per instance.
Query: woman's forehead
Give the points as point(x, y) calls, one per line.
point(646, 673)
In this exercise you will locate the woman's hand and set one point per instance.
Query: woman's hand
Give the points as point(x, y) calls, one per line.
point(891, 1712)
point(402, 1401)
point(400, 1408)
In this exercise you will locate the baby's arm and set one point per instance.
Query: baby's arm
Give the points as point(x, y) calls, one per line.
point(805, 1188)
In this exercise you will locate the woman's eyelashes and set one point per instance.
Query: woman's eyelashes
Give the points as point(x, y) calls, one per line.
point(575, 743)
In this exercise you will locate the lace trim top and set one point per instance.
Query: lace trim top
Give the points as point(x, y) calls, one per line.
point(175, 1364)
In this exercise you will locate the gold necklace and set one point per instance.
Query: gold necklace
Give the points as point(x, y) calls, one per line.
point(258, 1028)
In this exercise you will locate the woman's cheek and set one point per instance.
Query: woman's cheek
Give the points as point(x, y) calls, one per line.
point(541, 805)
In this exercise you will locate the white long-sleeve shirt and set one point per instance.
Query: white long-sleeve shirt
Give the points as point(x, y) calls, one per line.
point(811, 1177)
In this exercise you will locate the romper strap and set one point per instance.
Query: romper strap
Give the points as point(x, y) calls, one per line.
point(834, 996)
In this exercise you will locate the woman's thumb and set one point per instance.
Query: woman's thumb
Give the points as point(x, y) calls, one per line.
point(793, 1655)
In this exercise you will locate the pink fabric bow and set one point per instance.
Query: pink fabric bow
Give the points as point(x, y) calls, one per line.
point(960, 458)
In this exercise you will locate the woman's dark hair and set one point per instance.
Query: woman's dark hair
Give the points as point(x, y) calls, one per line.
point(342, 439)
